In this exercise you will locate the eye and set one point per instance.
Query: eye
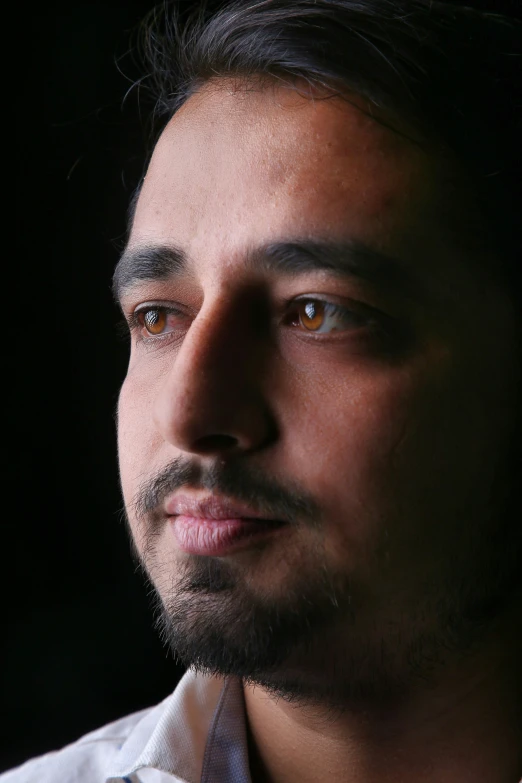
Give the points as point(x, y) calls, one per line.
point(156, 321)
point(320, 317)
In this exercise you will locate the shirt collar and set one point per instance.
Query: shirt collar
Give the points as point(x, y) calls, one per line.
point(197, 734)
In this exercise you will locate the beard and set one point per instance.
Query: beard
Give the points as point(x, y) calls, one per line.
point(215, 623)
point(206, 609)
point(318, 641)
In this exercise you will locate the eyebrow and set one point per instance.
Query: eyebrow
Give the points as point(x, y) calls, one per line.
point(293, 257)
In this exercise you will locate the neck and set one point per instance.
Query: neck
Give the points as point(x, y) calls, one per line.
point(466, 727)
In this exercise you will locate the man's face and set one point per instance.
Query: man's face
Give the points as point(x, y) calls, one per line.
point(366, 398)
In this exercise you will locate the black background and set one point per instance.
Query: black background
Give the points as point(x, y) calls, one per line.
point(78, 647)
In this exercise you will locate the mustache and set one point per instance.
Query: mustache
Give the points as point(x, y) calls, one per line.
point(235, 480)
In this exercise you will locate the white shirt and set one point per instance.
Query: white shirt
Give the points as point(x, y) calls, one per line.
point(196, 735)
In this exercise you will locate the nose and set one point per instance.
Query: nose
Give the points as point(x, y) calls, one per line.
point(211, 401)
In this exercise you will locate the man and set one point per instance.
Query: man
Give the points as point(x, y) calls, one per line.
point(319, 427)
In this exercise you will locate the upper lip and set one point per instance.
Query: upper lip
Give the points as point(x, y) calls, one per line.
point(212, 507)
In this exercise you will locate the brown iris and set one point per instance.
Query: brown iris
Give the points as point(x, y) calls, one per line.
point(154, 321)
point(311, 315)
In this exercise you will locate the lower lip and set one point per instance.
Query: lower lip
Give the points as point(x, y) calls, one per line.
point(219, 537)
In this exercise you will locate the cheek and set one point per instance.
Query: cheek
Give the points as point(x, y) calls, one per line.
point(138, 451)
point(375, 450)
point(349, 437)
point(399, 467)
point(135, 436)
point(342, 432)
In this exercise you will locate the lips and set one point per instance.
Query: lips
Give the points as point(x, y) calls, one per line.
point(216, 527)
point(209, 508)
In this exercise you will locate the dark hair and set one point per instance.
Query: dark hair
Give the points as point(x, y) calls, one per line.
point(451, 70)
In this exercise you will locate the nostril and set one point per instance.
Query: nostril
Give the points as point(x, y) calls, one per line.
point(213, 443)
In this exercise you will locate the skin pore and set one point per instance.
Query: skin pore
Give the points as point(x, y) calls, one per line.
point(382, 625)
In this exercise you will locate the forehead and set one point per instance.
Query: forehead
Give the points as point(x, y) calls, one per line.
point(238, 166)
